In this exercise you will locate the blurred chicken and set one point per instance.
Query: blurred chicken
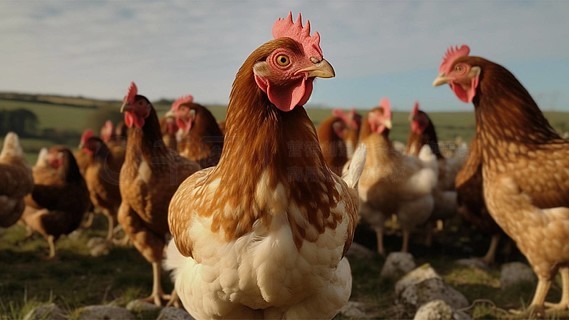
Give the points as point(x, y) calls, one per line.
point(263, 234)
point(102, 179)
point(470, 201)
point(115, 139)
point(15, 180)
point(169, 128)
point(200, 138)
point(524, 166)
point(394, 183)
point(59, 199)
point(82, 158)
point(331, 133)
point(423, 133)
point(149, 177)
point(353, 122)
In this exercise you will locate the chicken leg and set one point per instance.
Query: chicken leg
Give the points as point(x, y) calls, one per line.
point(536, 308)
point(51, 242)
point(491, 253)
point(564, 303)
point(157, 295)
point(379, 236)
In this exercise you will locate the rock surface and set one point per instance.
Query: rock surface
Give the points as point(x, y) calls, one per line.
point(515, 273)
point(397, 265)
point(104, 312)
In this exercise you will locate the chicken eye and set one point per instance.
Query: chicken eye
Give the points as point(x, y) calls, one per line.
point(283, 60)
point(459, 68)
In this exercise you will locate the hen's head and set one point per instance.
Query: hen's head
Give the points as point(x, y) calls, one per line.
point(419, 120)
point(107, 131)
point(379, 118)
point(93, 146)
point(286, 73)
point(136, 108)
point(459, 73)
point(185, 112)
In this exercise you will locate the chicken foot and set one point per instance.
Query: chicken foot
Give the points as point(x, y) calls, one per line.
point(157, 296)
point(536, 308)
point(564, 303)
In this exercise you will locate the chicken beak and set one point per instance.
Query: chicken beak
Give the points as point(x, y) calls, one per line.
point(125, 107)
point(321, 69)
point(388, 124)
point(440, 80)
point(170, 114)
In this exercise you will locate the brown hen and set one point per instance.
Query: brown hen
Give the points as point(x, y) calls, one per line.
point(524, 165)
point(149, 177)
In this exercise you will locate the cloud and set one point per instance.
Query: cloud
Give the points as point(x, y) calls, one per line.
point(173, 48)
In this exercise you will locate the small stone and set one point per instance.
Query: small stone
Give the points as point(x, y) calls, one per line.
point(418, 275)
point(397, 265)
point(170, 313)
point(104, 312)
point(439, 310)
point(48, 311)
point(515, 273)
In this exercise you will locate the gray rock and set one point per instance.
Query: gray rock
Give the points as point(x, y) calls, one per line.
point(428, 290)
point(170, 313)
point(104, 312)
point(397, 265)
point(515, 273)
point(353, 309)
point(48, 311)
point(439, 310)
point(143, 309)
point(418, 275)
point(360, 252)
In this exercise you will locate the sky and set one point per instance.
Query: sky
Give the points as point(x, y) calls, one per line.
point(377, 48)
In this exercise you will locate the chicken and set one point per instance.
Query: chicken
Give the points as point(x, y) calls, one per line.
point(422, 133)
point(59, 199)
point(150, 175)
point(115, 139)
point(15, 180)
point(169, 128)
point(82, 158)
point(353, 122)
point(394, 183)
point(263, 234)
point(331, 133)
point(102, 179)
point(524, 162)
point(200, 138)
point(470, 201)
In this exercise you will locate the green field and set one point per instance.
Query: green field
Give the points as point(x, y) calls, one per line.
point(73, 115)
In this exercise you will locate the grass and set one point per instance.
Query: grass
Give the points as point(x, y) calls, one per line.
point(74, 279)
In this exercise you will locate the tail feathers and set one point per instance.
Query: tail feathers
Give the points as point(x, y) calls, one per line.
point(173, 258)
point(353, 171)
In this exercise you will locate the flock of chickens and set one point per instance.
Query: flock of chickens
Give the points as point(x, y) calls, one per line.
point(262, 208)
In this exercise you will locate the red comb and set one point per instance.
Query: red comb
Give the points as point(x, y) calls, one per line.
point(131, 94)
point(415, 108)
point(182, 100)
point(386, 105)
point(286, 28)
point(451, 55)
point(88, 133)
